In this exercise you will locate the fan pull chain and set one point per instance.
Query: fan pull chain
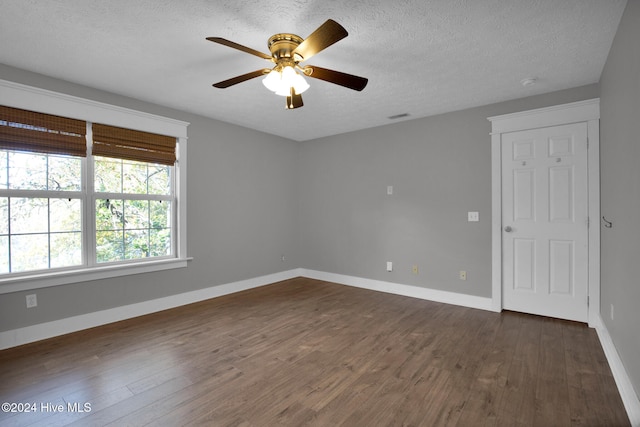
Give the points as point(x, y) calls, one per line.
point(290, 99)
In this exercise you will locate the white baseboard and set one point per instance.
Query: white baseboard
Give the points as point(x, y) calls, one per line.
point(625, 387)
point(453, 298)
point(28, 334)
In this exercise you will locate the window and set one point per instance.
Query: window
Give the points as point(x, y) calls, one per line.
point(133, 204)
point(71, 204)
point(133, 189)
point(40, 190)
point(40, 211)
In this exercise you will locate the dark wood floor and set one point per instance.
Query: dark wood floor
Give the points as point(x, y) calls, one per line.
point(304, 352)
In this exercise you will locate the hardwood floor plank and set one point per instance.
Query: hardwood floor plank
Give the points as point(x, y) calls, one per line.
point(304, 352)
point(490, 378)
point(515, 409)
point(183, 405)
point(552, 389)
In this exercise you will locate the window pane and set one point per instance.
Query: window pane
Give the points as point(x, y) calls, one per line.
point(108, 175)
point(4, 215)
point(160, 242)
point(160, 214)
point(159, 179)
point(65, 173)
point(4, 254)
point(117, 176)
point(109, 215)
point(29, 215)
point(134, 178)
point(30, 252)
point(27, 171)
point(136, 244)
point(66, 249)
point(109, 246)
point(3, 169)
point(66, 215)
point(136, 213)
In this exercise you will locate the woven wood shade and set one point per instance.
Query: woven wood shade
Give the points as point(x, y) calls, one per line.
point(41, 133)
point(111, 141)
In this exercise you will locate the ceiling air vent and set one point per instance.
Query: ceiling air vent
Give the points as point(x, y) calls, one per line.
point(398, 116)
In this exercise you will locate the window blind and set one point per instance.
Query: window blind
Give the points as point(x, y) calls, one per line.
point(25, 130)
point(111, 141)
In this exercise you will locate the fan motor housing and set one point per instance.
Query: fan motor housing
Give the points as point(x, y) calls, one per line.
point(282, 46)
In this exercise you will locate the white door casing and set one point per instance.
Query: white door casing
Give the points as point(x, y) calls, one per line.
point(587, 113)
point(544, 219)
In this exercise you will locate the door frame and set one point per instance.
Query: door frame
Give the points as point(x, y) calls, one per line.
point(576, 112)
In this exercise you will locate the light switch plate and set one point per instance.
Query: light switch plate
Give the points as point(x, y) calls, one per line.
point(389, 266)
point(473, 216)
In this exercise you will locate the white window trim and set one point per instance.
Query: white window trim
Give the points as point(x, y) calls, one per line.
point(35, 99)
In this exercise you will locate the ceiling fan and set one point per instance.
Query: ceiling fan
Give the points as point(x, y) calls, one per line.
point(287, 52)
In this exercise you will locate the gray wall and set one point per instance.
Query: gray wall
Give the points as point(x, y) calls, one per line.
point(253, 197)
point(620, 187)
point(440, 168)
point(241, 215)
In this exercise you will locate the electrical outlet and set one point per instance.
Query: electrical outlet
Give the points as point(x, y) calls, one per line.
point(389, 266)
point(415, 269)
point(463, 275)
point(282, 258)
point(32, 301)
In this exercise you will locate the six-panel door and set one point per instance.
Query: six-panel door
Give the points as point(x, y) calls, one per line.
point(545, 221)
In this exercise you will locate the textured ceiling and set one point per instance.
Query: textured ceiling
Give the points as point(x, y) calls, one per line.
point(422, 57)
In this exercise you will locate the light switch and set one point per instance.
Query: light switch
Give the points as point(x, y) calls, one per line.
point(473, 216)
point(389, 190)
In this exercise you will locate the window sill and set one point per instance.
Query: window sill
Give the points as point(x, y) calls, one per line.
point(46, 280)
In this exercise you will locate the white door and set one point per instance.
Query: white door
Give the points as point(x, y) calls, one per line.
point(545, 221)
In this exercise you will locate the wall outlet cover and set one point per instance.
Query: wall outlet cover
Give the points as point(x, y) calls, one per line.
point(32, 300)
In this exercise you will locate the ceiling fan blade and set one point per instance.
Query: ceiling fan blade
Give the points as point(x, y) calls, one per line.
point(294, 100)
point(323, 37)
point(343, 79)
point(239, 79)
point(235, 45)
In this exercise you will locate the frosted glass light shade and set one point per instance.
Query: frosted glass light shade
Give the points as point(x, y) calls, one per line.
point(282, 82)
point(272, 81)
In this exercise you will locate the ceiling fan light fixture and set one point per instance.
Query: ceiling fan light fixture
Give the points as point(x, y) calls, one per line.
point(281, 79)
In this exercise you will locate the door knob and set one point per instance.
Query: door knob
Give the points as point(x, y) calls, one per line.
point(508, 229)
